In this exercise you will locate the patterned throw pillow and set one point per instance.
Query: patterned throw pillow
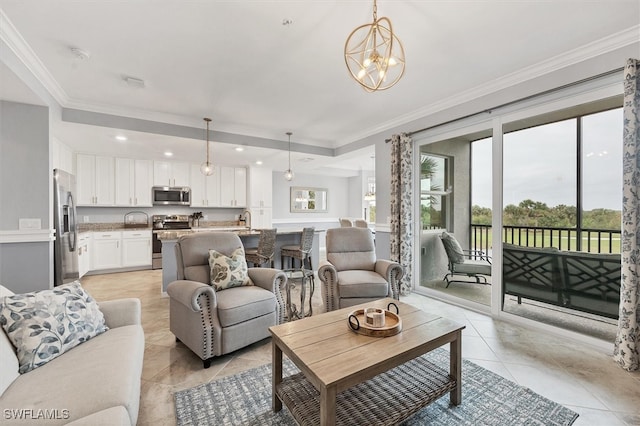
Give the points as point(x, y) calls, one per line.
point(227, 272)
point(454, 251)
point(44, 324)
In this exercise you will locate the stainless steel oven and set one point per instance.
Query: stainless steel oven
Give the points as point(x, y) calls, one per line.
point(161, 223)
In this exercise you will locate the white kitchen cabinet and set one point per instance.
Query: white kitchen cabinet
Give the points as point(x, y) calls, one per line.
point(95, 180)
point(107, 250)
point(136, 248)
point(261, 218)
point(205, 190)
point(171, 173)
point(260, 187)
point(62, 156)
point(133, 181)
point(233, 186)
point(84, 252)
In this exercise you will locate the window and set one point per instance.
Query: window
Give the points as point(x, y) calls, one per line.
point(563, 184)
point(435, 191)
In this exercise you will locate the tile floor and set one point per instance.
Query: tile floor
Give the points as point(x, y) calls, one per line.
point(578, 376)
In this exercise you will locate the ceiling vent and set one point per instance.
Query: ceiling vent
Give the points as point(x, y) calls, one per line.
point(134, 82)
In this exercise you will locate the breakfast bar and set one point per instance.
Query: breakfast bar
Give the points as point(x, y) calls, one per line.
point(249, 238)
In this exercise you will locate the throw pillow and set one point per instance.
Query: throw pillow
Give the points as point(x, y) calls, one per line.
point(42, 325)
point(228, 272)
point(451, 245)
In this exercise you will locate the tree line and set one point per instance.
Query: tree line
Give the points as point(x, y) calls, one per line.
point(537, 214)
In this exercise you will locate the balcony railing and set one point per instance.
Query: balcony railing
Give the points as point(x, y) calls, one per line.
point(570, 239)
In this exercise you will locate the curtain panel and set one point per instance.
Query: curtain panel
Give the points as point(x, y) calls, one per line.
point(627, 343)
point(401, 238)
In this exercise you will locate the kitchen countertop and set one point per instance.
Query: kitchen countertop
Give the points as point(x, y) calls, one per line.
point(175, 234)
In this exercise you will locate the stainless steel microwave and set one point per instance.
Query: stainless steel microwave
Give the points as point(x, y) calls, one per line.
point(169, 195)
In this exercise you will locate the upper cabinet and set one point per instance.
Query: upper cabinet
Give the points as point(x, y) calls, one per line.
point(95, 180)
point(62, 156)
point(233, 186)
point(133, 182)
point(260, 187)
point(205, 190)
point(171, 173)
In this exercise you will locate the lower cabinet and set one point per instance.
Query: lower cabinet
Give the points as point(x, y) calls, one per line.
point(121, 249)
point(261, 218)
point(107, 250)
point(136, 248)
point(84, 253)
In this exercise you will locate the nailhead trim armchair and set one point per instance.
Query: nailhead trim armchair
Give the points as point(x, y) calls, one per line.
point(214, 323)
point(351, 274)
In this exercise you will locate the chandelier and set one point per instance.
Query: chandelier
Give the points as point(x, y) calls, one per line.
point(207, 168)
point(288, 174)
point(374, 55)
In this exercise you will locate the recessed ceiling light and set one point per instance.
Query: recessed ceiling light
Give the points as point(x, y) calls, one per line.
point(168, 154)
point(121, 138)
point(259, 162)
point(239, 148)
point(305, 159)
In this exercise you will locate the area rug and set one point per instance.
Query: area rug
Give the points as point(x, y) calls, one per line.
point(487, 399)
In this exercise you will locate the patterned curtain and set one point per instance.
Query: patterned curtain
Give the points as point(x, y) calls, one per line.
point(401, 237)
point(627, 344)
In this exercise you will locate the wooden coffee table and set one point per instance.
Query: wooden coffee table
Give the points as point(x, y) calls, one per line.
point(332, 358)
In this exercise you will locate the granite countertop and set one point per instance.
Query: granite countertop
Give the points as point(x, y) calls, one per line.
point(174, 235)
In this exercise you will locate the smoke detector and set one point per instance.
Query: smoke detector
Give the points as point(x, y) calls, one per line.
point(81, 54)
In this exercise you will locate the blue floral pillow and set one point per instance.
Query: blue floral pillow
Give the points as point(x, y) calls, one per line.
point(228, 272)
point(44, 324)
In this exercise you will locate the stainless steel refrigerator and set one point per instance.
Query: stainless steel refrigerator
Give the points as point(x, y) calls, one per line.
point(65, 253)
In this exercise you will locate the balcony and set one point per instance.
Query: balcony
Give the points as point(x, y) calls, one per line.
point(578, 292)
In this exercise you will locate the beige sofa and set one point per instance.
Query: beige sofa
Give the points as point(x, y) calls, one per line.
point(95, 383)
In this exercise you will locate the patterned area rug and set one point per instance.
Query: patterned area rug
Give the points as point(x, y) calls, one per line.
point(487, 399)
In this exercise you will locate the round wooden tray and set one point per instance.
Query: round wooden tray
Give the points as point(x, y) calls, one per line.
point(392, 324)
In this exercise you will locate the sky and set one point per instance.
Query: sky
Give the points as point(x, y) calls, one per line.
point(539, 164)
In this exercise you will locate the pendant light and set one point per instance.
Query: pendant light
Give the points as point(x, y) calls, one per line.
point(288, 174)
point(207, 168)
point(374, 55)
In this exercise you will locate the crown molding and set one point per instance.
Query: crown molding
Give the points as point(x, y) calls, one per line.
point(592, 50)
point(14, 40)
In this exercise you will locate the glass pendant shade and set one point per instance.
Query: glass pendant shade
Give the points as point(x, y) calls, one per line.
point(374, 55)
point(207, 167)
point(288, 175)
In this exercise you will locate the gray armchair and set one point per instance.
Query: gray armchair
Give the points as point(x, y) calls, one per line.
point(214, 323)
point(352, 274)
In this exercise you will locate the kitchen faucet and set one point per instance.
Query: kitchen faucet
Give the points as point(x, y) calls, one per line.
point(247, 218)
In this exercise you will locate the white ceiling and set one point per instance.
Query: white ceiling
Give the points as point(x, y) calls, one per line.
point(236, 62)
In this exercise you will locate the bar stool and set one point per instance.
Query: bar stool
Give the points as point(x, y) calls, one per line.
point(361, 223)
point(345, 223)
point(301, 252)
point(265, 250)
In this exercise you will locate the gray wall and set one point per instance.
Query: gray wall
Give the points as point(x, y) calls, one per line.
point(25, 190)
point(25, 178)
